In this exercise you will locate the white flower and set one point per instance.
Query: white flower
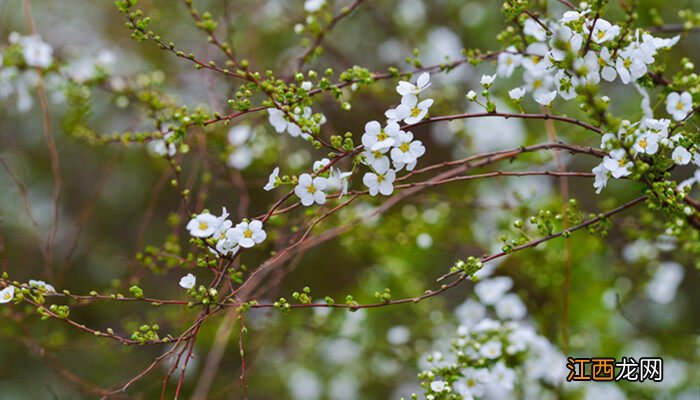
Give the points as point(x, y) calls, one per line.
point(473, 384)
point(487, 80)
point(272, 179)
point(410, 110)
point(491, 349)
point(339, 180)
point(406, 150)
point(681, 156)
point(242, 156)
point(679, 105)
point(471, 95)
point(617, 163)
point(658, 127)
point(661, 43)
point(371, 158)
point(310, 190)
point(565, 85)
point(438, 386)
point(277, 120)
point(188, 281)
point(41, 285)
point(313, 5)
point(376, 138)
point(248, 234)
point(602, 31)
point(604, 59)
point(647, 144)
point(381, 180)
point(601, 177)
point(228, 242)
point(7, 294)
point(36, 52)
point(630, 66)
point(545, 98)
point(537, 62)
point(532, 28)
point(422, 83)
point(502, 376)
point(538, 84)
point(162, 147)
point(490, 291)
point(570, 16)
point(320, 164)
point(511, 307)
point(470, 312)
point(203, 225)
point(516, 93)
point(306, 85)
point(508, 60)
point(588, 68)
point(564, 42)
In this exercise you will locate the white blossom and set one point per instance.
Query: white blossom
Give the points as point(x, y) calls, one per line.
point(248, 234)
point(7, 294)
point(381, 180)
point(313, 5)
point(406, 150)
point(629, 65)
point(545, 98)
point(491, 349)
point(404, 88)
point(601, 177)
point(438, 386)
point(188, 281)
point(681, 156)
point(272, 179)
point(602, 31)
point(679, 105)
point(487, 80)
point(508, 60)
point(663, 286)
point(516, 93)
point(646, 144)
point(41, 285)
point(410, 110)
point(203, 225)
point(617, 163)
point(534, 29)
point(376, 138)
point(339, 180)
point(565, 41)
point(310, 190)
point(277, 120)
point(36, 52)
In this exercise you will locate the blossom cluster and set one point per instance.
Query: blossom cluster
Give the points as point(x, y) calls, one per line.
point(566, 57)
point(495, 351)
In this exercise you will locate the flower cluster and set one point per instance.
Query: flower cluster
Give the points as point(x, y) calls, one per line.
point(404, 151)
point(492, 357)
point(226, 238)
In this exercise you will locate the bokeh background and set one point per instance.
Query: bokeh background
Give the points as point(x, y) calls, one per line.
point(116, 201)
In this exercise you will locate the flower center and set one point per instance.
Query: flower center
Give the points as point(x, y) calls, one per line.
point(380, 178)
point(601, 34)
point(415, 112)
point(627, 63)
point(203, 226)
point(621, 162)
point(679, 106)
point(248, 233)
point(382, 135)
point(404, 147)
point(6, 296)
point(643, 143)
point(311, 189)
